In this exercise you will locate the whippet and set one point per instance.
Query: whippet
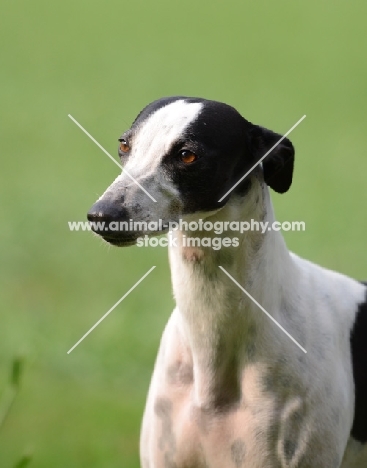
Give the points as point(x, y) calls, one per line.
point(229, 388)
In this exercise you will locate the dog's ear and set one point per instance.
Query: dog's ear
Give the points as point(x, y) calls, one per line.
point(278, 164)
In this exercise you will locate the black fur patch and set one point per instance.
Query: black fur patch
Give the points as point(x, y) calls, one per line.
point(227, 146)
point(220, 139)
point(359, 356)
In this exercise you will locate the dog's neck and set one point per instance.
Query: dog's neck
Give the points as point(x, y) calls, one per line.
point(222, 327)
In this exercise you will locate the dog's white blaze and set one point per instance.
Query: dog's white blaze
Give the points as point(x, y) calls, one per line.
point(158, 133)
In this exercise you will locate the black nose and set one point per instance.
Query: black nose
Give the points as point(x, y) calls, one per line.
point(105, 211)
point(102, 214)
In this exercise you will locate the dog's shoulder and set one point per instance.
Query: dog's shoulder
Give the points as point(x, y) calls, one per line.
point(343, 303)
point(329, 291)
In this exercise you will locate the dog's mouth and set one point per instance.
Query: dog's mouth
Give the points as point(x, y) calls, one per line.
point(126, 239)
point(120, 242)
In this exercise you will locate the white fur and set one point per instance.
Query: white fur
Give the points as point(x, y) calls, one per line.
point(156, 135)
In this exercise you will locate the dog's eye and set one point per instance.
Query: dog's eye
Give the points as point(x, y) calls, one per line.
point(124, 147)
point(187, 157)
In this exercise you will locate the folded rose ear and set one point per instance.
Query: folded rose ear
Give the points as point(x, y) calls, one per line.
point(278, 164)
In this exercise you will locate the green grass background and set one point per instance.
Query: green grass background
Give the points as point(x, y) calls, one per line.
point(102, 62)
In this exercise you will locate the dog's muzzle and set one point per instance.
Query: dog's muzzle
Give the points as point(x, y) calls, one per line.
point(116, 224)
point(109, 220)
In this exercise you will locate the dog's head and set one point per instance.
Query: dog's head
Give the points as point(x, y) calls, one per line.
point(187, 153)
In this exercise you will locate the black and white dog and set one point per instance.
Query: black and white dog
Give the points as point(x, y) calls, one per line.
point(229, 388)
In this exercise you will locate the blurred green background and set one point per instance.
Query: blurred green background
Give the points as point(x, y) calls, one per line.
point(102, 62)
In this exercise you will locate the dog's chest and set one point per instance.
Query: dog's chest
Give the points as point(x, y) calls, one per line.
point(253, 432)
